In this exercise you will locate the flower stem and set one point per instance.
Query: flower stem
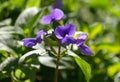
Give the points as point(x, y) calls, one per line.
point(57, 65)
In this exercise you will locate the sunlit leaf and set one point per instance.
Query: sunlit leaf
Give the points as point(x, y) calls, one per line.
point(110, 48)
point(31, 54)
point(35, 19)
point(31, 3)
point(26, 16)
point(23, 74)
point(113, 69)
point(100, 4)
point(7, 34)
point(18, 3)
point(95, 30)
point(117, 77)
point(5, 22)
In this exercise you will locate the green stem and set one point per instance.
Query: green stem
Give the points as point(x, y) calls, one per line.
point(57, 65)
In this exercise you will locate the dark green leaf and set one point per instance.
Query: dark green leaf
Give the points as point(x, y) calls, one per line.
point(65, 62)
point(85, 67)
point(9, 63)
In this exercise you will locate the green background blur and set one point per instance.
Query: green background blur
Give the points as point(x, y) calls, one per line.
point(99, 18)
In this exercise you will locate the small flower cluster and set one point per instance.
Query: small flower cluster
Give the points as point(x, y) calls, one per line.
point(64, 33)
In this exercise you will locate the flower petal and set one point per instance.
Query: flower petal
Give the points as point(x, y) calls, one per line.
point(38, 38)
point(83, 36)
point(68, 40)
point(70, 29)
point(81, 39)
point(79, 42)
point(60, 32)
point(57, 14)
point(46, 19)
point(29, 42)
point(85, 50)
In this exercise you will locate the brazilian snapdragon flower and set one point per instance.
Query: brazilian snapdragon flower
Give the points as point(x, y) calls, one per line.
point(56, 15)
point(30, 42)
point(66, 33)
point(84, 48)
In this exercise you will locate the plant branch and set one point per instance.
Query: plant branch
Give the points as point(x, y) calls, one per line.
point(57, 65)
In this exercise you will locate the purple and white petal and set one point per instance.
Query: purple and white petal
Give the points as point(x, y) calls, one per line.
point(38, 38)
point(83, 36)
point(41, 32)
point(68, 40)
point(29, 42)
point(81, 39)
point(60, 32)
point(70, 29)
point(46, 19)
point(79, 42)
point(57, 14)
point(85, 50)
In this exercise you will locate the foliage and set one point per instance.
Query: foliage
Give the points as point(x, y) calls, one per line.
point(22, 19)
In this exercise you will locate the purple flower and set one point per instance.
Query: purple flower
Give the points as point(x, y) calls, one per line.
point(65, 33)
point(56, 14)
point(85, 49)
point(80, 42)
point(30, 42)
point(40, 33)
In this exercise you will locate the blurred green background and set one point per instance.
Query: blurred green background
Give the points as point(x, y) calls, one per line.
point(21, 18)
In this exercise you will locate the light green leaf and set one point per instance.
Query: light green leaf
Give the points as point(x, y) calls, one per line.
point(32, 3)
point(18, 3)
point(100, 4)
point(113, 69)
point(95, 30)
point(109, 47)
point(23, 74)
point(85, 67)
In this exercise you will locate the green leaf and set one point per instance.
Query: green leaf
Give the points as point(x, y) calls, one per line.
point(32, 3)
point(111, 48)
point(31, 54)
point(100, 4)
point(23, 74)
point(9, 64)
point(113, 69)
point(18, 3)
point(95, 30)
point(7, 33)
point(26, 16)
point(35, 19)
point(65, 62)
point(85, 67)
point(5, 22)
